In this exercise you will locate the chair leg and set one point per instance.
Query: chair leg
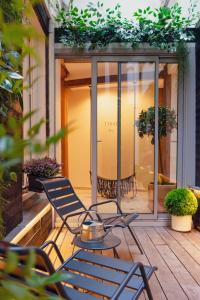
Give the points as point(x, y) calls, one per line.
point(146, 283)
point(135, 239)
point(57, 235)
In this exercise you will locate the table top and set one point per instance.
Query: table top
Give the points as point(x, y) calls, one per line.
point(109, 242)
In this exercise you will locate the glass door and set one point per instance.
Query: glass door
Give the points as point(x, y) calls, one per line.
point(130, 99)
point(137, 143)
point(123, 164)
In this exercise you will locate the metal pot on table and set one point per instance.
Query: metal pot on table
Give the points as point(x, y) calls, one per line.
point(93, 230)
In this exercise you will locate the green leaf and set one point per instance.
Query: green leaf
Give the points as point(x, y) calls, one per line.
point(11, 261)
point(13, 176)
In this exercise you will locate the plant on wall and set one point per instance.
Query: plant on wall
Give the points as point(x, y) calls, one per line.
point(166, 123)
point(96, 27)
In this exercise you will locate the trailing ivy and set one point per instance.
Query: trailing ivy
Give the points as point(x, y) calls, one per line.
point(95, 27)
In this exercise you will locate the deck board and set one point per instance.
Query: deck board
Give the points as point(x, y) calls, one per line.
point(177, 256)
point(186, 259)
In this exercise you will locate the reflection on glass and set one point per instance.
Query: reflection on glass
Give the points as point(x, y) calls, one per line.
point(137, 151)
point(167, 130)
point(77, 111)
point(106, 132)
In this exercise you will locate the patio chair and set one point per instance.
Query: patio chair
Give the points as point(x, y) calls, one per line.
point(67, 204)
point(87, 276)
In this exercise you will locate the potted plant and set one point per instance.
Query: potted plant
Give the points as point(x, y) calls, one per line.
point(181, 204)
point(146, 126)
point(41, 168)
point(196, 216)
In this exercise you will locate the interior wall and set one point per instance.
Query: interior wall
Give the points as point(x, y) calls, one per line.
point(78, 111)
point(78, 103)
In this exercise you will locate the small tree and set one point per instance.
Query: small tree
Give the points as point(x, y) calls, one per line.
point(166, 123)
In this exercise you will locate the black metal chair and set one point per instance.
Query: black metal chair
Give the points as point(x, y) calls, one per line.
point(67, 204)
point(87, 276)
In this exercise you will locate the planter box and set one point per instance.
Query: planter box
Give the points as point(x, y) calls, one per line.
point(34, 185)
point(12, 212)
point(163, 189)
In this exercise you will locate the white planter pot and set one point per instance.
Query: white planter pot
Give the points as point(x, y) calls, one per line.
point(181, 223)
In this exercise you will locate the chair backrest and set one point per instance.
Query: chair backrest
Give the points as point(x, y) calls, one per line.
point(42, 266)
point(62, 196)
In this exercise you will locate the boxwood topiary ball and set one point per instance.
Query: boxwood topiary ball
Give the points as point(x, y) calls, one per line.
point(181, 202)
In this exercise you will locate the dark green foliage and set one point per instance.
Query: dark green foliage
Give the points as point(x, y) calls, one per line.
point(33, 287)
point(181, 202)
point(146, 122)
point(95, 27)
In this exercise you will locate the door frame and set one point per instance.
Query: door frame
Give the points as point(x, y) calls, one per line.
point(123, 59)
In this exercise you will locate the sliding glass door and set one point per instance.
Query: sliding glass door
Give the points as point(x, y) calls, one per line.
point(131, 100)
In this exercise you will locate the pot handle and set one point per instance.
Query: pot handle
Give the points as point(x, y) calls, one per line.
point(88, 212)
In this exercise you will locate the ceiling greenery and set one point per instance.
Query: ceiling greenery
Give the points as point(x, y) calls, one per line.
point(95, 27)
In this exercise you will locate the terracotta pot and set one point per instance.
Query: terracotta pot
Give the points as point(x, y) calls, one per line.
point(163, 189)
point(181, 223)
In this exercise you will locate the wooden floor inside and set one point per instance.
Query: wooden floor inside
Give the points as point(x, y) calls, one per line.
point(177, 256)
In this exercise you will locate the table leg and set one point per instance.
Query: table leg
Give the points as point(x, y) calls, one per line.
point(115, 253)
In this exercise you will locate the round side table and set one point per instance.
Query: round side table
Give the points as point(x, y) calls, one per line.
point(109, 242)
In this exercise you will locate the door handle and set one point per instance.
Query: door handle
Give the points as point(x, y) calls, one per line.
point(99, 141)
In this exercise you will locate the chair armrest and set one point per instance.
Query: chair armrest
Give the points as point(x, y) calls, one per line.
point(107, 202)
point(86, 212)
point(128, 277)
point(55, 247)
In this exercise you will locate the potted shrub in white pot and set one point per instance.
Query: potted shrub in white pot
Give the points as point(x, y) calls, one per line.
point(181, 204)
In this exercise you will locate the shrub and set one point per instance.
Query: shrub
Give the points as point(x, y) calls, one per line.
point(181, 202)
point(43, 167)
point(197, 194)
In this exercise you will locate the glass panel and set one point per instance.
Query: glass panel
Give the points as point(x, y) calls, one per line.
point(77, 111)
point(167, 150)
point(107, 132)
point(137, 129)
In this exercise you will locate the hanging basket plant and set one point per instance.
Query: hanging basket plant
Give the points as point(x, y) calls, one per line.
point(95, 27)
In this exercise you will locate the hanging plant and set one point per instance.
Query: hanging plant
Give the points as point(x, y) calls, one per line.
point(96, 27)
point(166, 123)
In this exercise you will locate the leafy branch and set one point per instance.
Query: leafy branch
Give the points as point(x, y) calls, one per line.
point(96, 27)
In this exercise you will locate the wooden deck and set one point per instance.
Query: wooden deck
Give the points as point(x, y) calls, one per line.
point(177, 256)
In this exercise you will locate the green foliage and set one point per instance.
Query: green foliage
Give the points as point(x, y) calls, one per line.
point(96, 27)
point(146, 122)
point(181, 202)
point(42, 167)
point(33, 286)
point(14, 35)
point(197, 194)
